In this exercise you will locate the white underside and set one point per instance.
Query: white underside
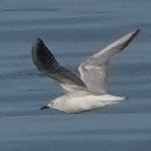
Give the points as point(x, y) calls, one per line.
point(73, 103)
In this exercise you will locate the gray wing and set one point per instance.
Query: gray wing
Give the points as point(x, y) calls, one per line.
point(94, 70)
point(47, 63)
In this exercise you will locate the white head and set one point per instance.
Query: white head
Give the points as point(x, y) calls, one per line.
point(63, 103)
point(55, 104)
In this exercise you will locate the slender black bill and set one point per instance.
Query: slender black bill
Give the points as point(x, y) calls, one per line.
point(44, 107)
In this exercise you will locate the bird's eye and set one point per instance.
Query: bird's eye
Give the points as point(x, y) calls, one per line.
point(52, 103)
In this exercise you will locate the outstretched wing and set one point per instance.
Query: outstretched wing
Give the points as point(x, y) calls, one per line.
point(94, 70)
point(46, 63)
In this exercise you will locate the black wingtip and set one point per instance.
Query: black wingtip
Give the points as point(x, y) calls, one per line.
point(137, 31)
point(134, 35)
point(39, 42)
point(39, 39)
point(44, 107)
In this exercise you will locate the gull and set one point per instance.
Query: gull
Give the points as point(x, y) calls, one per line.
point(84, 92)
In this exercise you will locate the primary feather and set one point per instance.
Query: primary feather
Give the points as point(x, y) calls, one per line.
point(47, 63)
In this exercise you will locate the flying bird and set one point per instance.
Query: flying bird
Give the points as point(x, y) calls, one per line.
point(84, 92)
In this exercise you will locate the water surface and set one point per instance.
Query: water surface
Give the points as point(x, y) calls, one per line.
point(73, 30)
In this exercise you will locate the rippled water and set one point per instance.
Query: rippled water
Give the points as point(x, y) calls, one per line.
point(73, 30)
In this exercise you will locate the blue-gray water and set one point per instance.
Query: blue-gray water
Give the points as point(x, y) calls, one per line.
point(74, 30)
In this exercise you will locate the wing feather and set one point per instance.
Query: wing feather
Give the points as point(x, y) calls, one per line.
point(46, 62)
point(94, 70)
